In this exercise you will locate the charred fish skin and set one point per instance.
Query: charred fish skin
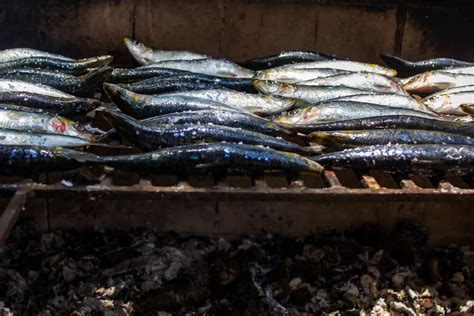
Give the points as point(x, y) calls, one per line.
point(146, 55)
point(348, 139)
point(419, 159)
point(389, 122)
point(70, 67)
point(186, 82)
point(19, 53)
point(154, 137)
point(142, 106)
point(423, 65)
point(27, 160)
point(213, 157)
point(235, 119)
point(143, 73)
point(49, 104)
point(15, 137)
point(42, 123)
point(80, 86)
point(284, 58)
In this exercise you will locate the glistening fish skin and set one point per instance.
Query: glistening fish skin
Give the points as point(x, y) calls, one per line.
point(42, 123)
point(235, 119)
point(188, 82)
point(422, 65)
point(449, 103)
point(213, 157)
point(284, 58)
point(142, 106)
point(290, 75)
point(15, 137)
point(146, 55)
point(310, 94)
point(214, 67)
point(27, 160)
point(80, 86)
point(434, 81)
point(7, 85)
point(390, 121)
point(389, 100)
point(154, 137)
point(49, 104)
point(343, 110)
point(19, 53)
point(73, 67)
point(347, 138)
point(461, 70)
point(141, 73)
point(419, 159)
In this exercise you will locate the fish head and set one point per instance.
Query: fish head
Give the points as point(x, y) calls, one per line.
point(64, 126)
point(296, 116)
point(282, 104)
point(95, 62)
point(382, 70)
point(124, 98)
point(139, 51)
point(274, 87)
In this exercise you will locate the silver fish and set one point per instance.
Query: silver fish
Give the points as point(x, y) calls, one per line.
point(13, 137)
point(390, 100)
point(146, 55)
point(19, 53)
point(7, 85)
point(449, 103)
point(461, 70)
point(434, 81)
point(342, 110)
point(454, 90)
point(209, 66)
point(290, 75)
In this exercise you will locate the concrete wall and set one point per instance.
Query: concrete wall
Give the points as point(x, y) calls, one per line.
point(239, 29)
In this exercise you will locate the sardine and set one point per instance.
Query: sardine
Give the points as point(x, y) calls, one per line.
point(390, 100)
point(42, 123)
point(453, 90)
point(15, 137)
point(290, 75)
point(347, 138)
point(210, 66)
point(284, 58)
point(146, 55)
point(188, 82)
point(83, 85)
point(27, 160)
point(343, 110)
point(152, 137)
point(48, 104)
point(461, 70)
point(419, 159)
point(7, 85)
point(19, 53)
point(449, 103)
point(387, 122)
point(213, 157)
point(235, 119)
point(257, 104)
point(73, 67)
point(142, 106)
point(141, 73)
point(434, 81)
point(423, 65)
point(309, 94)
point(365, 81)
point(345, 65)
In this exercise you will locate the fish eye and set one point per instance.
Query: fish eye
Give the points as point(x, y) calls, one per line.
point(293, 112)
point(78, 126)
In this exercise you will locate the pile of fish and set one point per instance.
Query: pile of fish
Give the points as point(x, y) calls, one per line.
point(186, 112)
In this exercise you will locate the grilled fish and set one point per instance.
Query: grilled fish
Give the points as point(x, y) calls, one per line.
point(235, 119)
point(347, 138)
point(388, 122)
point(210, 66)
point(343, 110)
point(141, 73)
point(49, 104)
point(419, 159)
point(213, 157)
point(434, 81)
point(146, 55)
point(142, 106)
point(253, 103)
point(284, 58)
point(290, 75)
point(423, 65)
point(449, 103)
point(81, 86)
point(27, 160)
point(152, 137)
point(188, 82)
point(345, 65)
point(19, 53)
point(309, 94)
point(390, 100)
point(7, 85)
point(365, 81)
point(42, 123)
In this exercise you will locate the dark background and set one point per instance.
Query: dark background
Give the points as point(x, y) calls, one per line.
point(239, 29)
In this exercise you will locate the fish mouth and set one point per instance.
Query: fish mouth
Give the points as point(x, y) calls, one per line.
point(263, 86)
point(313, 166)
point(99, 61)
